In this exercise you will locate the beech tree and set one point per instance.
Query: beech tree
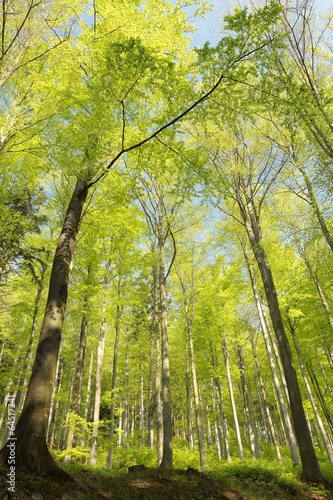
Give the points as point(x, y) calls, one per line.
point(126, 104)
point(246, 174)
point(111, 83)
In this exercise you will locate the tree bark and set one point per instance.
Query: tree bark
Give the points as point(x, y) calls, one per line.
point(30, 433)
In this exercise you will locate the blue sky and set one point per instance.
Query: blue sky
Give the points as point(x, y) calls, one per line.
point(208, 29)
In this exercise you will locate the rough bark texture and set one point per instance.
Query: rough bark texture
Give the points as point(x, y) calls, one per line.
point(31, 450)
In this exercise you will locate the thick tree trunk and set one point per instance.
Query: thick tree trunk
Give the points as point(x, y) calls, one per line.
point(311, 471)
point(320, 423)
point(276, 381)
point(31, 451)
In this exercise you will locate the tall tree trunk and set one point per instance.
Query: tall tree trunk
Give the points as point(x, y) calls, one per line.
point(114, 382)
point(189, 313)
point(265, 330)
point(323, 300)
point(222, 424)
point(141, 411)
point(98, 384)
point(232, 399)
point(311, 471)
point(53, 421)
point(154, 354)
point(315, 207)
point(200, 431)
point(30, 433)
point(151, 394)
point(127, 383)
point(52, 400)
point(251, 426)
point(166, 392)
point(78, 381)
point(267, 414)
point(158, 381)
point(26, 365)
point(87, 403)
point(310, 395)
point(319, 392)
point(189, 431)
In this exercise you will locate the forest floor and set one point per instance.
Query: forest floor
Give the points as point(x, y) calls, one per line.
point(156, 484)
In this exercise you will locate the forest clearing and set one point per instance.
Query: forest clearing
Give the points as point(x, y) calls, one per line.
point(166, 251)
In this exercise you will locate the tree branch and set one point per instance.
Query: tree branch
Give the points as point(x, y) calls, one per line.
point(172, 121)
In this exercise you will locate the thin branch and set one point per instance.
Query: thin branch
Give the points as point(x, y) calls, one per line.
point(201, 99)
point(20, 28)
point(4, 19)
